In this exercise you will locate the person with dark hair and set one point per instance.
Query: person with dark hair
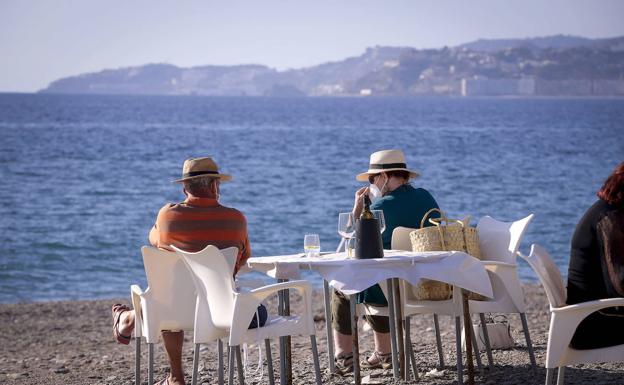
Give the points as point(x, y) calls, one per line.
point(596, 268)
point(200, 220)
point(402, 205)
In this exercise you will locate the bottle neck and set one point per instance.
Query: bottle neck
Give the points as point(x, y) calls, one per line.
point(366, 213)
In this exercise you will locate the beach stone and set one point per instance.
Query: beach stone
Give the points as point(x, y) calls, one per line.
point(15, 376)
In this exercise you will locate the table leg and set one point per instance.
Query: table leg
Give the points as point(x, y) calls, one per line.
point(468, 336)
point(354, 338)
point(285, 352)
point(391, 320)
point(398, 321)
point(328, 327)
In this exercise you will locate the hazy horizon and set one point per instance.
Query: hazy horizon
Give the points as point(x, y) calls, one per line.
point(42, 42)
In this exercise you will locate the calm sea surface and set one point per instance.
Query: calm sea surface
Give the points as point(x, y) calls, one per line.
point(83, 177)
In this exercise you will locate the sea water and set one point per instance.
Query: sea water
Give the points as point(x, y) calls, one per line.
point(83, 177)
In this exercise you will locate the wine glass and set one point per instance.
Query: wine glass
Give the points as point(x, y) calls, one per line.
point(346, 225)
point(380, 216)
point(312, 245)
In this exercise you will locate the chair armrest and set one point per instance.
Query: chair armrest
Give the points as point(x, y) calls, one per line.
point(300, 285)
point(563, 324)
point(245, 305)
point(250, 283)
point(136, 293)
point(506, 278)
point(589, 306)
point(499, 264)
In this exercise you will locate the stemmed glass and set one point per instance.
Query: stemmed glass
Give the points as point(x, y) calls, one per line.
point(380, 216)
point(346, 229)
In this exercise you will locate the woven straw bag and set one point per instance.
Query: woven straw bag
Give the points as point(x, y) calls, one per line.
point(453, 235)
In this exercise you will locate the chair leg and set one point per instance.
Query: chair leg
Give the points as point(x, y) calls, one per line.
point(486, 339)
point(317, 367)
point(460, 369)
point(408, 349)
point(137, 360)
point(150, 363)
point(230, 365)
point(560, 375)
point(549, 376)
point(436, 324)
point(239, 365)
point(477, 353)
point(220, 348)
point(195, 364)
point(267, 348)
point(328, 327)
point(525, 327)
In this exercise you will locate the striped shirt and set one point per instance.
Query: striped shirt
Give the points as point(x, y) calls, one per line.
point(198, 222)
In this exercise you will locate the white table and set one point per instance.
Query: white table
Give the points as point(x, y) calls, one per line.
point(351, 276)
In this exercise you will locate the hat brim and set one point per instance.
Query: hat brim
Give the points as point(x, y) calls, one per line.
point(223, 177)
point(363, 177)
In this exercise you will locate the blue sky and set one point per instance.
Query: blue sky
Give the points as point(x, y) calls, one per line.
point(41, 41)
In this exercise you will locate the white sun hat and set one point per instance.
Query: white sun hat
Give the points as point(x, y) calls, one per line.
point(386, 160)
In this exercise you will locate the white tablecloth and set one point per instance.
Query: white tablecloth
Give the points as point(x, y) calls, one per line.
point(351, 276)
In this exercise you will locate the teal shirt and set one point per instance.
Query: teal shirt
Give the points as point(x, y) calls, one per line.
point(403, 207)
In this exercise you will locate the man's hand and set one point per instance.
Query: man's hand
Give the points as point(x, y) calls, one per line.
point(359, 201)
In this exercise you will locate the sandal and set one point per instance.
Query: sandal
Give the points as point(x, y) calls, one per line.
point(377, 361)
point(344, 364)
point(117, 310)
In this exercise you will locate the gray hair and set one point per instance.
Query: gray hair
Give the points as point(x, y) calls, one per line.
point(198, 186)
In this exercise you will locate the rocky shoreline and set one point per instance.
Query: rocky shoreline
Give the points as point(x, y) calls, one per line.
point(70, 342)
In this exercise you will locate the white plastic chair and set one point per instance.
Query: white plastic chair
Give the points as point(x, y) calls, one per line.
point(499, 242)
point(565, 319)
point(167, 304)
point(221, 308)
point(410, 306)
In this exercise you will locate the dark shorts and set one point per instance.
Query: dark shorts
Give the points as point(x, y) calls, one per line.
point(262, 312)
point(341, 316)
point(600, 330)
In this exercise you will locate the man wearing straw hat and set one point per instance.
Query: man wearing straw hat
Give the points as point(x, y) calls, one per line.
point(191, 225)
point(402, 205)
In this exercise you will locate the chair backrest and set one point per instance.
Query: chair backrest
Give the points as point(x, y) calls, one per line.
point(171, 286)
point(401, 239)
point(499, 241)
point(548, 274)
point(213, 271)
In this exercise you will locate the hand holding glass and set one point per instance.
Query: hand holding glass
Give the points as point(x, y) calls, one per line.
point(312, 245)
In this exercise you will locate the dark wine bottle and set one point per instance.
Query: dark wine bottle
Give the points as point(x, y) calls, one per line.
point(368, 236)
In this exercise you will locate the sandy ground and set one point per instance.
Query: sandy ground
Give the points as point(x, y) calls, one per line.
point(71, 343)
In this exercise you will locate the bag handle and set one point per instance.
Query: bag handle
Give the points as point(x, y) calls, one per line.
point(438, 223)
point(422, 221)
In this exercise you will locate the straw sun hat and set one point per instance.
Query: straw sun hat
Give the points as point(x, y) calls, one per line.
point(386, 160)
point(201, 167)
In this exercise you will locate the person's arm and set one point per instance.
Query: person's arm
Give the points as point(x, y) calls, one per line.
point(358, 203)
point(245, 252)
point(154, 234)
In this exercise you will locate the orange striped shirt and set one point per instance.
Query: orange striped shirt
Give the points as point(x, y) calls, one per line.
point(198, 222)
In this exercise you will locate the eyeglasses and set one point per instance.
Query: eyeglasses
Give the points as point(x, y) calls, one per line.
point(371, 178)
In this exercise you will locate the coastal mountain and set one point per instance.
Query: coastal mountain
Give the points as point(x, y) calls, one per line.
point(556, 65)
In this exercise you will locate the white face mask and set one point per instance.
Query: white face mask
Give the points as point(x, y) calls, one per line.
point(374, 193)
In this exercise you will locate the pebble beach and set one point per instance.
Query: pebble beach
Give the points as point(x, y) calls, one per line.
point(71, 343)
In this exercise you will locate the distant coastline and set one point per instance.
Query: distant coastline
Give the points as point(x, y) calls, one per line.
point(539, 67)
